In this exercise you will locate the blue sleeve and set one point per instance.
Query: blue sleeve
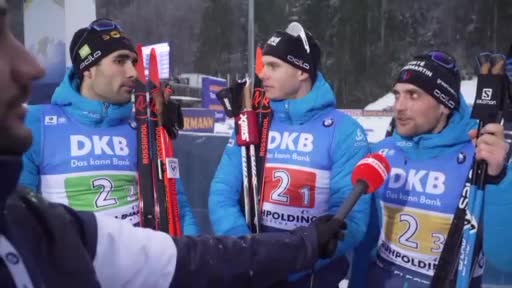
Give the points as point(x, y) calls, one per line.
point(29, 177)
point(497, 216)
point(224, 199)
point(188, 221)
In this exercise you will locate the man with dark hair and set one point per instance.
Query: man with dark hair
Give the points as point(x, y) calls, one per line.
point(84, 151)
point(431, 152)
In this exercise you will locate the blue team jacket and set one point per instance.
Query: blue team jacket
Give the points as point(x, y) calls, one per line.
point(94, 114)
point(497, 198)
point(349, 145)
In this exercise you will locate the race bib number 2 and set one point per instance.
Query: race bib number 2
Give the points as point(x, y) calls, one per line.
point(289, 187)
point(96, 193)
point(415, 230)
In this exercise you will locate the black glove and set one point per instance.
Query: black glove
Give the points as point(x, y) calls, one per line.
point(231, 98)
point(329, 231)
point(171, 115)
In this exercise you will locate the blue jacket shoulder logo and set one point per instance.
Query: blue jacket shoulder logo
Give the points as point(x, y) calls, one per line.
point(328, 122)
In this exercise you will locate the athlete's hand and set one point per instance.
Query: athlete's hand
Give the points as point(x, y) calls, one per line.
point(491, 147)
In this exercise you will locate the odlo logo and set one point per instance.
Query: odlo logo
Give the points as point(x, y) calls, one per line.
point(90, 58)
point(301, 63)
point(444, 98)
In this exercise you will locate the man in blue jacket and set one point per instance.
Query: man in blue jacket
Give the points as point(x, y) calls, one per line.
point(84, 152)
point(431, 153)
point(46, 244)
point(312, 150)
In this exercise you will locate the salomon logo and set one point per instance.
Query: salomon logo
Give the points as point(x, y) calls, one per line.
point(487, 94)
point(486, 97)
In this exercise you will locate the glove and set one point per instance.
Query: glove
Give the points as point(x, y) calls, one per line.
point(329, 231)
point(231, 98)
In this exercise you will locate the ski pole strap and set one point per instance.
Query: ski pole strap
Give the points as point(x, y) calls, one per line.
point(230, 98)
point(247, 128)
point(488, 101)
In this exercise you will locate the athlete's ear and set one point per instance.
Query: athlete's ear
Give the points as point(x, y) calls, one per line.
point(444, 110)
point(87, 74)
point(302, 75)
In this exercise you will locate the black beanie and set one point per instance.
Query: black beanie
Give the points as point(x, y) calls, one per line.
point(434, 77)
point(95, 42)
point(289, 47)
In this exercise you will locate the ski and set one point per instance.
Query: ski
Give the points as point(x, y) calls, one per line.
point(261, 105)
point(153, 87)
point(165, 176)
point(144, 162)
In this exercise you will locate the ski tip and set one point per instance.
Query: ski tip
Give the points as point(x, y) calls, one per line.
point(139, 67)
point(259, 61)
point(153, 68)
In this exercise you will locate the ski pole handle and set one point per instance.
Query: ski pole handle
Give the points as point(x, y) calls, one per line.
point(247, 121)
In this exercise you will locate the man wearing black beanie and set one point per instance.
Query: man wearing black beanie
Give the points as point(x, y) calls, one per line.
point(312, 149)
point(431, 153)
point(84, 151)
